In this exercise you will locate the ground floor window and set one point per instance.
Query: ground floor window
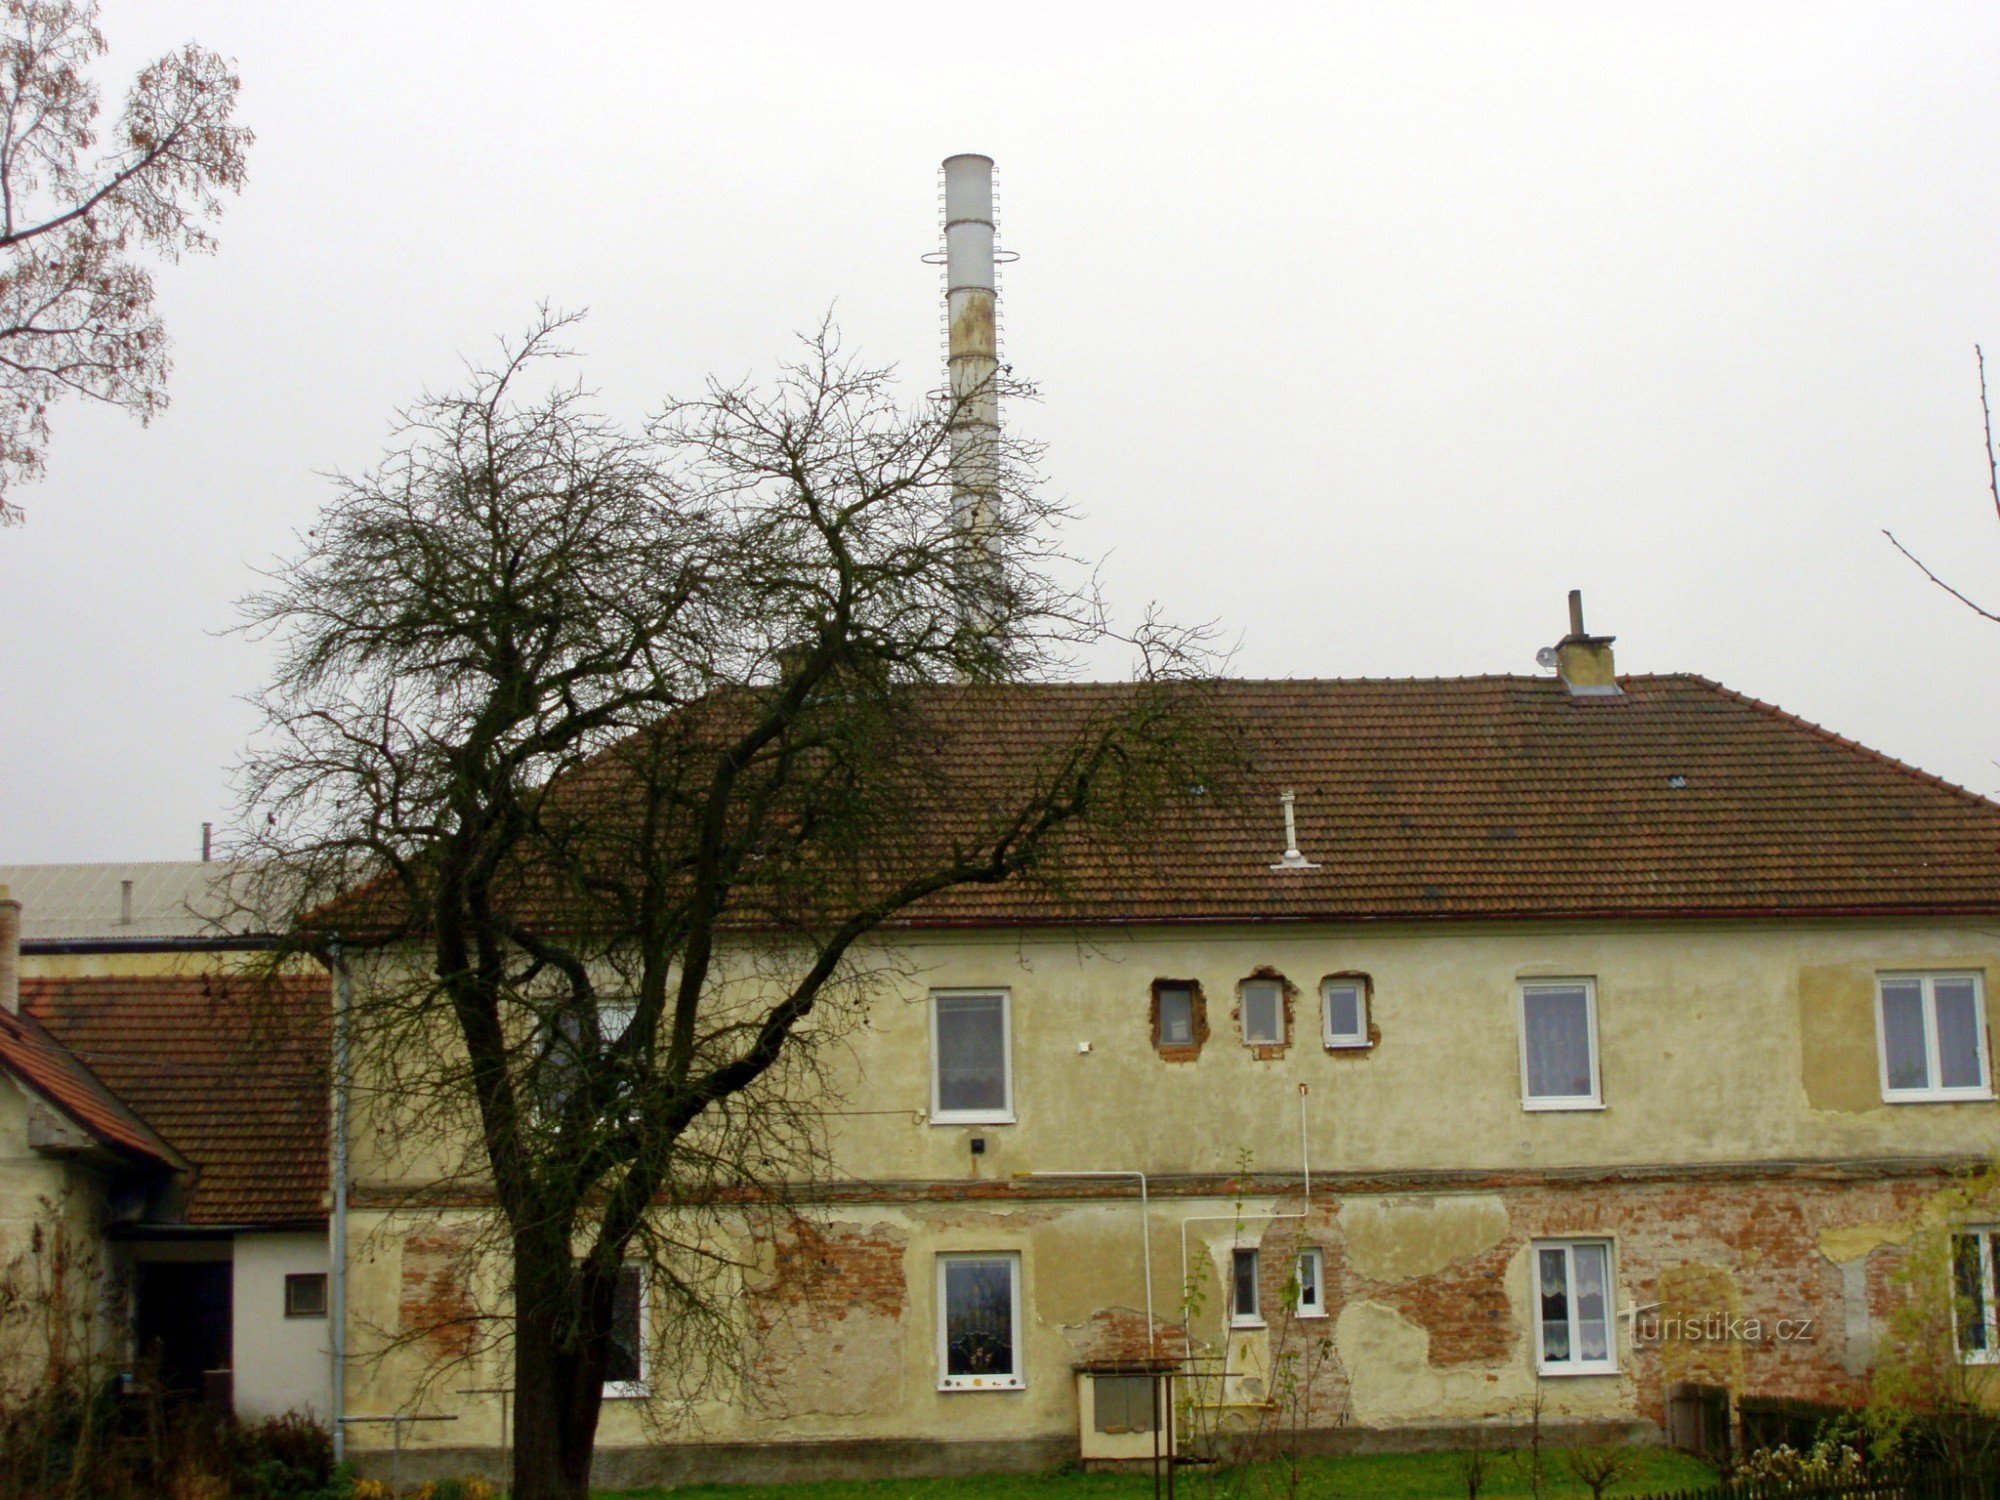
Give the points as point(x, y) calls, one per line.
point(1310, 1300)
point(305, 1294)
point(1245, 1268)
point(1976, 1260)
point(979, 1322)
point(625, 1371)
point(1573, 1307)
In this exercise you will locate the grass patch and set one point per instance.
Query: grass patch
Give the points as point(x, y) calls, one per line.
point(1371, 1476)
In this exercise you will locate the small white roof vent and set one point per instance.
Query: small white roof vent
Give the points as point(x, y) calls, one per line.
point(1293, 860)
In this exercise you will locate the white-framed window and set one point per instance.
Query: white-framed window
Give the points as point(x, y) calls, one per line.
point(1343, 1010)
point(972, 1058)
point(1932, 1031)
point(1309, 1296)
point(1976, 1287)
point(1573, 1328)
point(1559, 1044)
point(625, 1373)
point(1263, 1013)
point(979, 1322)
point(1245, 1268)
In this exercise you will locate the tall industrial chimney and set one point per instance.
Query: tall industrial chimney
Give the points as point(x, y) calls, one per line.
point(973, 359)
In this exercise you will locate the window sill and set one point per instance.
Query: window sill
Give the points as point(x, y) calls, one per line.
point(627, 1390)
point(1939, 1096)
point(1559, 1371)
point(955, 1384)
point(973, 1117)
point(1306, 1315)
point(1561, 1106)
point(1346, 1044)
point(1246, 1325)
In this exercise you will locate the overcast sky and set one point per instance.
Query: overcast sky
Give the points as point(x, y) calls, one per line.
point(1364, 331)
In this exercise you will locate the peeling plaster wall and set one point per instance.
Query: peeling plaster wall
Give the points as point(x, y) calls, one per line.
point(1743, 1164)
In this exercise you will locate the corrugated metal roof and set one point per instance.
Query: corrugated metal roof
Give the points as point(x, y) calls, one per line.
point(86, 903)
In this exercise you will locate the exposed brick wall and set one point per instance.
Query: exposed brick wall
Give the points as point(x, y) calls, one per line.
point(436, 1304)
point(827, 1324)
point(1747, 1249)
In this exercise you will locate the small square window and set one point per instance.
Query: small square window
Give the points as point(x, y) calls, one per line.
point(1976, 1289)
point(1263, 1013)
point(1309, 1300)
point(972, 1057)
point(1244, 1307)
point(1933, 1036)
point(625, 1371)
point(979, 1323)
point(1559, 1044)
point(1573, 1328)
point(1344, 1012)
point(305, 1295)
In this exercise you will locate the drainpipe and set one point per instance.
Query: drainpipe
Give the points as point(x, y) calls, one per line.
point(1305, 1208)
point(1145, 1241)
point(343, 996)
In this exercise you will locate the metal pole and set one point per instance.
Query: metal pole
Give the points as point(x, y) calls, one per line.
point(337, 1300)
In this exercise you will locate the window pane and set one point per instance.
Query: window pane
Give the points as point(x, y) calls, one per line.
point(1343, 1010)
point(1957, 1033)
point(1558, 1020)
point(1555, 1305)
point(978, 1317)
point(1593, 1302)
point(623, 1365)
point(1903, 1033)
point(1971, 1289)
point(972, 1052)
point(1309, 1282)
point(1176, 1019)
point(1260, 1014)
point(1244, 1299)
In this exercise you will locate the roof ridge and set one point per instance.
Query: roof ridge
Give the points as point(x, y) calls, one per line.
point(1820, 731)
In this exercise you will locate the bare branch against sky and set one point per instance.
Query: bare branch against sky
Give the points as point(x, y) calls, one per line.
point(1365, 330)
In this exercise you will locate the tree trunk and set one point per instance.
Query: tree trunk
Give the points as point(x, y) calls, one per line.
point(558, 1377)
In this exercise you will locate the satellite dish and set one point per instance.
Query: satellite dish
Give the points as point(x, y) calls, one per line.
point(1546, 658)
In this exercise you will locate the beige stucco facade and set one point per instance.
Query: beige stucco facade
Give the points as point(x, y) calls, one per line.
point(1741, 1162)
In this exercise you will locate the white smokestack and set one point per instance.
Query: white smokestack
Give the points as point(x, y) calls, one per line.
point(10, 952)
point(973, 357)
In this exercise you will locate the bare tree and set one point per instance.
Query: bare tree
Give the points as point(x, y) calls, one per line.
point(643, 740)
point(76, 310)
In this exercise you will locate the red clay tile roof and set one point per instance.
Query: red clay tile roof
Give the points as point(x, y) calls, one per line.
point(1478, 797)
point(46, 1068)
point(231, 1071)
point(1507, 797)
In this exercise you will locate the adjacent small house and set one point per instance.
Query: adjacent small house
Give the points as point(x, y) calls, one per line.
point(163, 1133)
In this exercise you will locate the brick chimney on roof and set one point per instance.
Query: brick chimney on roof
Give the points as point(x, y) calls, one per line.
point(1583, 661)
point(10, 952)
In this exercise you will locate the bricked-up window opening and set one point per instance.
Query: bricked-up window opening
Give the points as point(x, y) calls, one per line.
point(1933, 1036)
point(1263, 1013)
point(1573, 1307)
point(1309, 1299)
point(1344, 1012)
point(1243, 1270)
point(971, 1080)
point(1122, 1403)
point(625, 1371)
point(1559, 1044)
point(305, 1294)
point(979, 1322)
point(1976, 1278)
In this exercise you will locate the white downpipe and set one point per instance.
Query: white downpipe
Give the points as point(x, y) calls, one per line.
point(337, 1291)
point(1145, 1240)
point(1305, 1208)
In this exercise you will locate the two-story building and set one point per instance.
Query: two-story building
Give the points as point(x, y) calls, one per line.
point(1515, 1043)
